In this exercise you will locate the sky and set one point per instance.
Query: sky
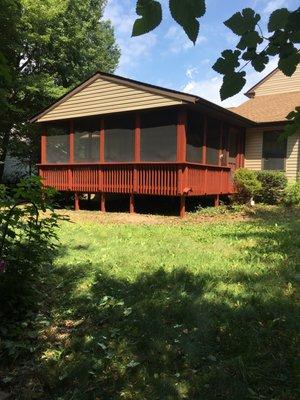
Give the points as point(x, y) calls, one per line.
point(166, 57)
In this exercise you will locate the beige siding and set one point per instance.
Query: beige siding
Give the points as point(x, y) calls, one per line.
point(103, 97)
point(253, 151)
point(292, 161)
point(279, 83)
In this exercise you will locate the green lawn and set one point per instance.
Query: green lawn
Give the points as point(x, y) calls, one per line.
point(174, 310)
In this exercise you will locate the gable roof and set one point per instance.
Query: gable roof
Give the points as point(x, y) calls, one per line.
point(105, 93)
point(269, 108)
point(276, 82)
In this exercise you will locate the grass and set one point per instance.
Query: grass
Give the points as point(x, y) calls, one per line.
point(173, 310)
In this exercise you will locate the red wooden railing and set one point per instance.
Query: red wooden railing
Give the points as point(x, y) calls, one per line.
point(168, 179)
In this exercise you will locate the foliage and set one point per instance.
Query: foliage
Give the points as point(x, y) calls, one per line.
point(56, 45)
point(273, 184)
point(176, 311)
point(26, 242)
point(246, 184)
point(254, 46)
point(292, 194)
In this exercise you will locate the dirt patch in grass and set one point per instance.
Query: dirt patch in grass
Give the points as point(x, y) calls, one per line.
point(149, 219)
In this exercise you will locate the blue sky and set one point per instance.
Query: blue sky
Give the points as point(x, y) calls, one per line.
point(166, 57)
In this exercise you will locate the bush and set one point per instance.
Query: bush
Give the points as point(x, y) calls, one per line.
point(291, 196)
point(246, 185)
point(273, 184)
point(26, 243)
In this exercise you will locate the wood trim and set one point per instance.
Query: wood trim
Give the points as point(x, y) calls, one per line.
point(102, 140)
point(181, 135)
point(71, 142)
point(204, 140)
point(137, 138)
point(43, 145)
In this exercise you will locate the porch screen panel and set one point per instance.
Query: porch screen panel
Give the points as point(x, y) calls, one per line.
point(57, 142)
point(194, 137)
point(225, 139)
point(159, 136)
point(119, 138)
point(274, 151)
point(213, 141)
point(87, 140)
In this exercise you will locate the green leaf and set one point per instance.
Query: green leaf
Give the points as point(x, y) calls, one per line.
point(151, 13)
point(228, 62)
point(259, 61)
point(289, 63)
point(249, 39)
point(278, 19)
point(244, 21)
point(232, 84)
point(185, 13)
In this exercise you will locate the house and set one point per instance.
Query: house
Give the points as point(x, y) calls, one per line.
point(117, 135)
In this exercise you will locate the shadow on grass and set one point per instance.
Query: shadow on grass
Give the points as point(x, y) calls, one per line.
point(178, 335)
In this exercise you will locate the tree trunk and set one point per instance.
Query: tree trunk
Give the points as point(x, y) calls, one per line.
point(5, 142)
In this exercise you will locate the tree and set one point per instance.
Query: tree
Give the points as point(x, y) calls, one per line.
point(57, 44)
point(254, 47)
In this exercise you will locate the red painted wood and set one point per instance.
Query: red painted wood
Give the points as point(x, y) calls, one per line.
point(102, 141)
point(204, 140)
point(182, 207)
point(76, 201)
point(43, 146)
point(181, 135)
point(102, 202)
point(131, 204)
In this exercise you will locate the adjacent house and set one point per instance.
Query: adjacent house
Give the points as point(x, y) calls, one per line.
point(117, 135)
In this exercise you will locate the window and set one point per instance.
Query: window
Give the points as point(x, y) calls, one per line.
point(57, 142)
point(274, 151)
point(213, 141)
point(87, 140)
point(194, 137)
point(159, 136)
point(119, 138)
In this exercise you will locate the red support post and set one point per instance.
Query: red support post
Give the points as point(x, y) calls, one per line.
point(204, 140)
point(217, 200)
point(182, 207)
point(76, 201)
point(102, 202)
point(102, 141)
point(43, 146)
point(181, 135)
point(131, 204)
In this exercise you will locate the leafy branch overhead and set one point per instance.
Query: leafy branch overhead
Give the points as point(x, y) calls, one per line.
point(185, 13)
point(253, 47)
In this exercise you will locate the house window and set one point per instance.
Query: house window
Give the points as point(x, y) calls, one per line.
point(194, 137)
point(274, 151)
point(57, 142)
point(87, 140)
point(119, 138)
point(213, 137)
point(159, 136)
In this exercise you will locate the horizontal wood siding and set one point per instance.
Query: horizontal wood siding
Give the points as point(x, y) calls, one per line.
point(104, 97)
point(292, 161)
point(253, 148)
point(253, 151)
point(279, 83)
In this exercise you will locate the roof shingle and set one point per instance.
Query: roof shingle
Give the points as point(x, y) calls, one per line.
point(269, 108)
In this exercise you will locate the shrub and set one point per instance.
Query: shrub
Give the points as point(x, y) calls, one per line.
point(246, 184)
point(273, 184)
point(292, 194)
point(26, 243)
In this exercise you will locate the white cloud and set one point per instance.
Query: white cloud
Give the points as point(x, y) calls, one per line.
point(272, 5)
point(133, 49)
point(209, 88)
point(178, 40)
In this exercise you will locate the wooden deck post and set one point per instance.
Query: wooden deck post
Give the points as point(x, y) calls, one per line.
point(131, 204)
point(217, 200)
point(182, 207)
point(76, 201)
point(102, 202)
